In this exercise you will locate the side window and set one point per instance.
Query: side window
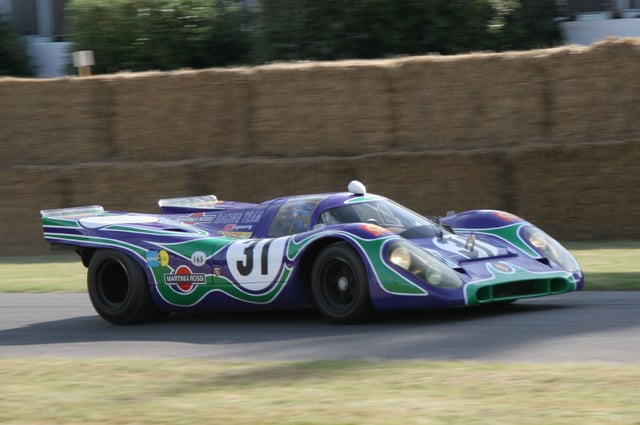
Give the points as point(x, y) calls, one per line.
point(294, 216)
point(329, 218)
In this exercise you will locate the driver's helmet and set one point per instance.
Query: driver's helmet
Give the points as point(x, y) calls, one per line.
point(300, 217)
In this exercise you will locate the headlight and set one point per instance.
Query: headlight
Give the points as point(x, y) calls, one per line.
point(401, 257)
point(422, 265)
point(550, 248)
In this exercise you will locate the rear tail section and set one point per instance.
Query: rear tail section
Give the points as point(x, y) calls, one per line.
point(61, 227)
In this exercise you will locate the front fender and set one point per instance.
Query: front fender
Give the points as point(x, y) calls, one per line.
point(480, 219)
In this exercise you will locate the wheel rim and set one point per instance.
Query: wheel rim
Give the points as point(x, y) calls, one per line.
point(339, 285)
point(112, 284)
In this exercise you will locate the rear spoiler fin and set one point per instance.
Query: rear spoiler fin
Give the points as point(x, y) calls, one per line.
point(190, 202)
point(72, 213)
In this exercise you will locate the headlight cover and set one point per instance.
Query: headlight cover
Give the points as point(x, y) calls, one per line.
point(550, 248)
point(422, 265)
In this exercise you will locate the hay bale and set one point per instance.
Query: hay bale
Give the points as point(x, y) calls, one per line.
point(320, 109)
point(126, 186)
point(257, 180)
point(180, 115)
point(581, 192)
point(595, 92)
point(433, 183)
point(468, 101)
point(25, 191)
point(54, 121)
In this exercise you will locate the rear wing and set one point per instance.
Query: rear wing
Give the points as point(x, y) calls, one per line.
point(73, 213)
point(189, 203)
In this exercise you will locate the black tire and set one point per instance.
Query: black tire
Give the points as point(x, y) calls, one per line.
point(118, 289)
point(339, 285)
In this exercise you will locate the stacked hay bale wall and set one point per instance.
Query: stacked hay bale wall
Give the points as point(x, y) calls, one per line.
point(552, 135)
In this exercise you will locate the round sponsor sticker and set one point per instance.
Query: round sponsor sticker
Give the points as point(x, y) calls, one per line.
point(163, 258)
point(184, 281)
point(198, 258)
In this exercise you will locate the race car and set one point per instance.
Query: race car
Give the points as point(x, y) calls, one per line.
point(349, 255)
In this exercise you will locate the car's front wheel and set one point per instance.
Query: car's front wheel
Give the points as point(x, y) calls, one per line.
point(118, 289)
point(339, 285)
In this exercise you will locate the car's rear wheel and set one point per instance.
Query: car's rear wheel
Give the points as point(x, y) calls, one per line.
point(339, 285)
point(118, 289)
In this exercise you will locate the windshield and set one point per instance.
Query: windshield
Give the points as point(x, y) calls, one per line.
point(387, 214)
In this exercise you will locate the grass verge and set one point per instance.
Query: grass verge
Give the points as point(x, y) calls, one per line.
point(320, 392)
point(607, 266)
point(179, 392)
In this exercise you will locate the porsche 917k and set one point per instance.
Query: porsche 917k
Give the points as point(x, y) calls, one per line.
point(347, 254)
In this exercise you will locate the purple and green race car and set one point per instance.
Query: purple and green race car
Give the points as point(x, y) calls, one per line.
point(347, 254)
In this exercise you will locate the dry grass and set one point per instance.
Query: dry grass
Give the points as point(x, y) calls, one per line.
point(335, 392)
point(609, 265)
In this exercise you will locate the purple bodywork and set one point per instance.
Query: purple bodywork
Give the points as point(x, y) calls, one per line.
point(325, 250)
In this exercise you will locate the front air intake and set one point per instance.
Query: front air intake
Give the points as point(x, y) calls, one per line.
point(522, 289)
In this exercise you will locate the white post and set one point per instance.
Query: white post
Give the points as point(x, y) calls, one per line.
point(83, 60)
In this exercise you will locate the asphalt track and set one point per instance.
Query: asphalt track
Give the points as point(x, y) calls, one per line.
point(583, 327)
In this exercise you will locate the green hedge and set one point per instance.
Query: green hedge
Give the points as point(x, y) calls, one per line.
point(170, 34)
point(139, 35)
point(13, 57)
point(530, 25)
point(335, 29)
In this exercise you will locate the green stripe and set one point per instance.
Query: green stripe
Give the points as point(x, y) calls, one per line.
point(101, 241)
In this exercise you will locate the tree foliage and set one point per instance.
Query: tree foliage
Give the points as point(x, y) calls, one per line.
point(169, 34)
point(529, 25)
point(13, 57)
point(141, 35)
point(334, 29)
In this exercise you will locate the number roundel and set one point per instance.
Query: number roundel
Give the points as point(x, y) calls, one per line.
point(255, 264)
point(458, 245)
